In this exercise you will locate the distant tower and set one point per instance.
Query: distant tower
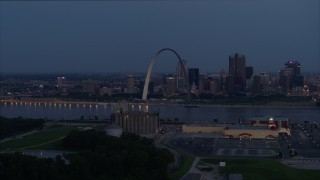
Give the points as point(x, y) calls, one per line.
point(180, 79)
point(130, 84)
point(194, 77)
point(237, 73)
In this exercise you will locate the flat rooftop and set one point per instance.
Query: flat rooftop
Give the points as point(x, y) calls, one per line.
point(248, 127)
point(207, 125)
point(267, 118)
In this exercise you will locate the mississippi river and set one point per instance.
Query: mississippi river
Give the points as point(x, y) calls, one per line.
point(184, 114)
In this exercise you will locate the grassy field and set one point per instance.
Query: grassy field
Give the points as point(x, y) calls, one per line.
point(44, 139)
point(263, 169)
point(186, 162)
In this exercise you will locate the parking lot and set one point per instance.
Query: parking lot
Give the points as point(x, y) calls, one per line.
point(211, 144)
point(305, 140)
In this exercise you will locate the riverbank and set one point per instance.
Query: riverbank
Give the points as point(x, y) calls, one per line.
point(275, 104)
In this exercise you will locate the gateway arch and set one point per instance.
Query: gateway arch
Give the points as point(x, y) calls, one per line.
point(153, 60)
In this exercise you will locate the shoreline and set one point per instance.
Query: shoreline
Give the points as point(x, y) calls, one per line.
point(162, 103)
point(239, 106)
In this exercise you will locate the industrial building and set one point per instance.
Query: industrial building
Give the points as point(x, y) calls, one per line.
point(259, 128)
point(202, 128)
point(135, 121)
point(275, 122)
point(250, 132)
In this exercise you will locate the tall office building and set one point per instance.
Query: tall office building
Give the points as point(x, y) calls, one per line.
point(260, 84)
point(209, 85)
point(290, 76)
point(249, 72)
point(298, 79)
point(180, 80)
point(214, 87)
point(130, 84)
point(204, 84)
point(194, 76)
point(295, 65)
point(285, 80)
point(237, 73)
point(170, 86)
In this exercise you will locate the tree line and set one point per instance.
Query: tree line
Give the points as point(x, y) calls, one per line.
point(98, 157)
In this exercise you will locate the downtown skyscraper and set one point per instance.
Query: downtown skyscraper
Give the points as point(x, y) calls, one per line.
point(237, 74)
point(180, 78)
point(290, 77)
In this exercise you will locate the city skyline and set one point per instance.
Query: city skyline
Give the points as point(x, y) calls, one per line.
point(122, 36)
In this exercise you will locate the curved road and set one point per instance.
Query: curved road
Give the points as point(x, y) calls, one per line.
point(160, 143)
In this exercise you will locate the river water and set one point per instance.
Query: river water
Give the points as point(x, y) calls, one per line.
point(184, 114)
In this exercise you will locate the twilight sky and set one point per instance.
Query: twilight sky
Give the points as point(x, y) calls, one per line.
point(111, 36)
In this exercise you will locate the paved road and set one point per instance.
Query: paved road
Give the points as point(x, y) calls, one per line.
point(161, 142)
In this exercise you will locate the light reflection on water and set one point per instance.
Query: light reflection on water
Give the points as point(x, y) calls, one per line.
point(200, 114)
